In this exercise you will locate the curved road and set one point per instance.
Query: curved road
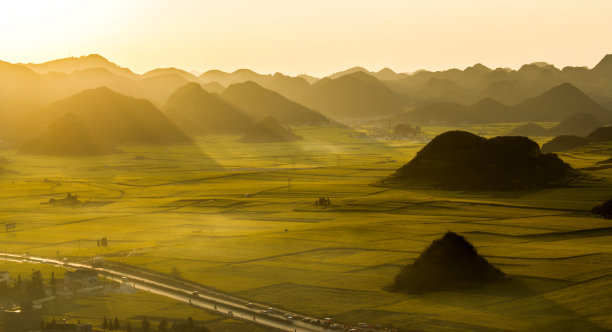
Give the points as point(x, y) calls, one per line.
point(222, 305)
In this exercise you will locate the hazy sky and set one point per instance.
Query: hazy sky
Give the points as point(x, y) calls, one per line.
point(311, 36)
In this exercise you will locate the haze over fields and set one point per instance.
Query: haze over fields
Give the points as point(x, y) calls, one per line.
point(306, 166)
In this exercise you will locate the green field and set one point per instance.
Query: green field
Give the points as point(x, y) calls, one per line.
point(222, 214)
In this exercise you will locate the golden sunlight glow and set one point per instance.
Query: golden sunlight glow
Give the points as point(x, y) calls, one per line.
point(316, 37)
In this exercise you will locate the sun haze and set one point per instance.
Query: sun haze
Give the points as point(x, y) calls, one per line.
point(315, 37)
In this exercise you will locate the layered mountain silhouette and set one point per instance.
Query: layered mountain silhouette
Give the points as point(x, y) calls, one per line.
point(112, 118)
point(168, 71)
point(459, 160)
point(268, 130)
point(443, 90)
point(530, 129)
point(198, 112)
point(604, 67)
point(435, 113)
point(564, 143)
point(160, 87)
point(537, 92)
point(213, 87)
point(505, 91)
point(450, 262)
point(578, 124)
point(568, 142)
point(66, 136)
point(69, 65)
point(290, 87)
point(259, 103)
point(21, 83)
point(385, 74)
point(559, 102)
point(356, 95)
point(553, 105)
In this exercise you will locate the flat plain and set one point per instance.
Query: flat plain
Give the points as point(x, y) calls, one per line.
point(242, 218)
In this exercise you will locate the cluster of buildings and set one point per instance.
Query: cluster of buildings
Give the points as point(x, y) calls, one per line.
point(21, 319)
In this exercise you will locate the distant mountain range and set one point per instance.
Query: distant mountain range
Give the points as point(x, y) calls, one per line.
point(552, 105)
point(535, 92)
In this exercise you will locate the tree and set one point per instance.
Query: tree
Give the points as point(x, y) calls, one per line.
point(105, 324)
point(53, 283)
point(117, 326)
point(406, 130)
point(190, 322)
point(146, 325)
point(35, 288)
point(163, 325)
point(128, 327)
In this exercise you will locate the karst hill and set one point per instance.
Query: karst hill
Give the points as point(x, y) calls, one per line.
point(459, 160)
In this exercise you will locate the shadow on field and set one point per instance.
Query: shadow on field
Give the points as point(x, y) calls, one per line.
point(526, 299)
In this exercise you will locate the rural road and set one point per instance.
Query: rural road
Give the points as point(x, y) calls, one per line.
point(221, 305)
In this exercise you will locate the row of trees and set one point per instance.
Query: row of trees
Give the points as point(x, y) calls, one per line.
point(146, 326)
point(25, 291)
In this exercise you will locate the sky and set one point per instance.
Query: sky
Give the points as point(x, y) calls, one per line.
point(316, 37)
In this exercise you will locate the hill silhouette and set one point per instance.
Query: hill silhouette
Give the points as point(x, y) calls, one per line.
point(288, 86)
point(66, 136)
point(20, 83)
point(160, 87)
point(268, 130)
point(529, 129)
point(259, 103)
point(435, 113)
point(310, 79)
point(165, 71)
point(113, 118)
point(443, 90)
point(213, 87)
point(603, 210)
point(563, 143)
point(604, 67)
point(559, 102)
point(459, 160)
point(69, 65)
point(356, 95)
point(579, 124)
point(198, 112)
point(488, 110)
point(569, 142)
point(385, 74)
point(450, 262)
point(601, 134)
point(348, 71)
point(227, 79)
point(504, 91)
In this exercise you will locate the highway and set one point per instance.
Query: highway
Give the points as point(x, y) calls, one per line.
point(211, 301)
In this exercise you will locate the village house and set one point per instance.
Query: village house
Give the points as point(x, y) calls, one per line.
point(80, 279)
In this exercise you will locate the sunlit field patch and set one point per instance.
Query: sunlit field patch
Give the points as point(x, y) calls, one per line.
point(242, 218)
